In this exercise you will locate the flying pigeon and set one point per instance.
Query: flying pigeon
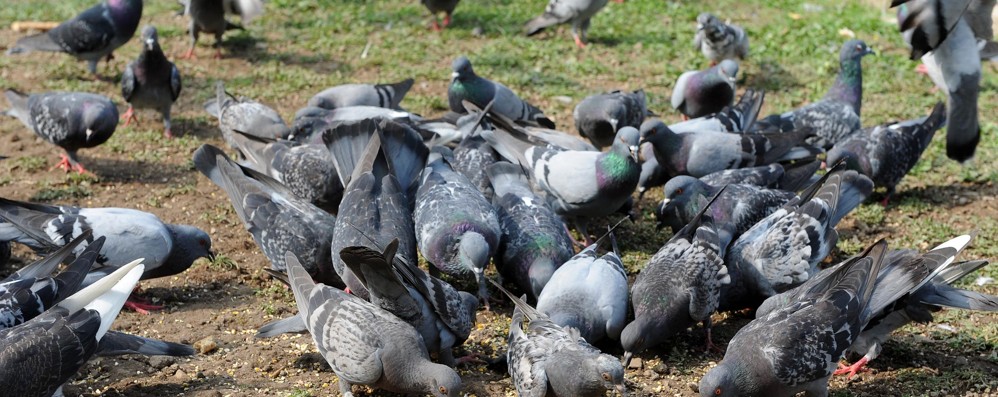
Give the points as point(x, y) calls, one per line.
point(245, 115)
point(380, 95)
point(207, 16)
point(700, 93)
point(366, 345)
point(598, 117)
point(836, 116)
point(885, 153)
point(576, 12)
point(92, 35)
point(151, 81)
point(719, 41)
point(466, 85)
point(70, 120)
point(436, 7)
point(278, 220)
point(534, 240)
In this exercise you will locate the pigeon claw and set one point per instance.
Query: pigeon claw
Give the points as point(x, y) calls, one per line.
point(167, 133)
point(578, 41)
point(189, 54)
point(436, 25)
point(922, 69)
point(141, 308)
point(446, 20)
point(63, 164)
point(858, 366)
point(129, 116)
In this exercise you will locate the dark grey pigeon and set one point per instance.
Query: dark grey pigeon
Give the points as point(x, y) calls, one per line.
point(534, 240)
point(380, 95)
point(885, 153)
point(465, 85)
point(151, 81)
point(545, 359)
point(701, 93)
point(366, 345)
point(588, 293)
point(576, 12)
point(837, 115)
point(719, 41)
point(69, 120)
point(92, 35)
point(598, 117)
point(278, 220)
point(929, 22)
point(740, 205)
point(457, 229)
point(679, 286)
point(246, 115)
point(436, 7)
point(207, 16)
point(472, 157)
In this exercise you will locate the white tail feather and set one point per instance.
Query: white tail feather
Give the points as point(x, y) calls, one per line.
point(107, 295)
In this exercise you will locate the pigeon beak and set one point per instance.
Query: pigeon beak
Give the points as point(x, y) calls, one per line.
point(211, 256)
point(454, 75)
point(89, 133)
point(622, 390)
point(627, 358)
point(149, 43)
point(665, 202)
point(634, 152)
point(699, 26)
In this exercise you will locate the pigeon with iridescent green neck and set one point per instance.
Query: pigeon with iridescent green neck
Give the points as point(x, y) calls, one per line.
point(465, 85)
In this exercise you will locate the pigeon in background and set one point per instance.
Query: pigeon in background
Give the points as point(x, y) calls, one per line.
point(465, 85)
point(246, 115)
point(436, 7)
point(151, 81)
point(577, 12)
point(927, 23)
point(70, 120)
point(380, 95)
point(598, 117)
point(837, 115)
point(90, 36)
point(885, 153)
point(700, 93)
point(719, 41)
point(247, 10)
point(534, 240)
point(207, 16)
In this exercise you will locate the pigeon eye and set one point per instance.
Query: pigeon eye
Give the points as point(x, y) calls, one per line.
point(606, 376)
point(717, 391)
point(679, 191)
point(443, 390)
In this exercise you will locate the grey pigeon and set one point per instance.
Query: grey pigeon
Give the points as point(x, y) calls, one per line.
point(207, 16)
point(545, 359)
point(679, 286)
point(380, 95)
point(598, 117)
point(700, 93)
point(588, 293)
point(466, 85)
point(741, 205)
point(245, 115)
point(534, 240)
point(278, 221)
point(737, 118)
point(457, 229)
point(885, 153)
point(472, 157)
point(151, 81)
point(436, 7)
point(790, 177)
point(719, 41)
point(70, 120)
point(837, 115)
point(980, 17)
point(310, 122)
point(90, 36)
point(366, 345)
point(577, 12)
point(929, 23)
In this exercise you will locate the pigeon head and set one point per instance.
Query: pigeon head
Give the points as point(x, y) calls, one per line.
point(854, 159)
point(654, 131)
point(706, 21)
point(681, 193)
point(150, 38)
point(473, 251)
point(539, 274)
point(626, 142)
point(444, 382)
point(720, 382)
point(189, 244)
point(611, 373)
point(729, 69)
point(100, 119)
point(854, 50)
point(462, 68)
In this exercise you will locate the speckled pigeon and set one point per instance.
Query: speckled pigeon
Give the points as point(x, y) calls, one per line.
point(885, 153)
point(534, 240)
point(246, 115)
point(598, 117)
point(207, 16)
point(151, 81)
point(719, 41)
point(457, 229)
point(472, 157)
point(700, 93)
point(90, 36)
point(546, 359)
point(836, 116)
point(466, 85)
point(380, 95)
point(436, 7)
point(790, 177)
point(70, 120)
point(577, 12)
point(278, 220)
point(366, 345)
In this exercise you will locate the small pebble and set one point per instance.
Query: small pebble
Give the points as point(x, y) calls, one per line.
point(206, 345)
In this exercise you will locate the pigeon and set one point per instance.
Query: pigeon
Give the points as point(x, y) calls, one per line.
point(577, 12)
point(151, 81)
point(380, 95)
point(598, 117)
point(457, 229)
point(472, 157)
point(245, 115)
point(442, 315)
point(42, 354)
point(545, 359)
point(588, 293)
point(719, 41)
point(70, 120)
point(679, 286)
point(278, 220)
point(700, 153)
point(207, 16)
point(885, 153)
point(466, 85)
point(310, 122)
point(534, 240)
point(92, 35)
point(736, 118)
point(742, 205)
point(367, 345)
point(790, 177)
point(247, 10)
point(436, 7)
point(700, 93)
point(980, 17)
point(928, 23)
point(836, 116)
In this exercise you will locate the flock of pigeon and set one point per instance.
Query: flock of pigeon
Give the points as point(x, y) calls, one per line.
point(345, 200)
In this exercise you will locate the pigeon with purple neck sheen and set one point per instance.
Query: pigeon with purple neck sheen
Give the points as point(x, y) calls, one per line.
point(69, 120)
point(700, 93)
point(837, 115)
point(719, 41)
point(151, 81)
point(598, 117)
point(465, 85)
point(380, 95)
point(92, 35)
